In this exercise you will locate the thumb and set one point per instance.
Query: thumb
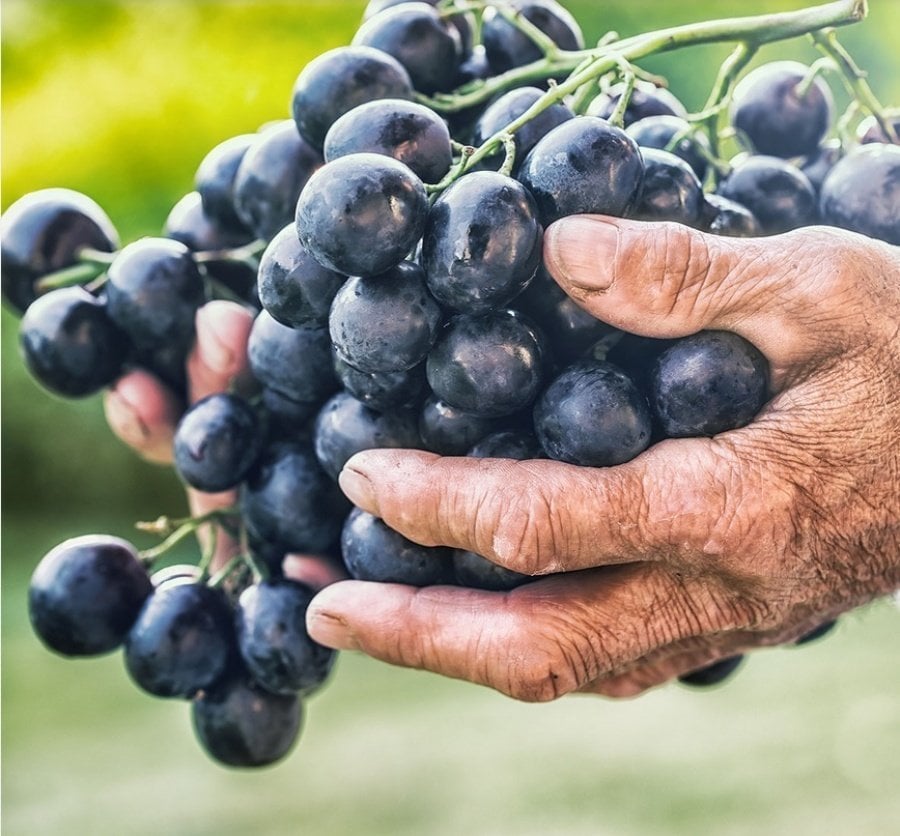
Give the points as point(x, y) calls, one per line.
point(668, 280)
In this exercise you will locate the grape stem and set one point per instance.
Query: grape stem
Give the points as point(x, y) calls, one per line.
point(77, 274)
point(854, 79)
point(179, 530)
point(584, 66)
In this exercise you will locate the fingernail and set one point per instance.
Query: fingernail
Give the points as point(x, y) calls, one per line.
point(581, 250)
point(125, 419)
point(358, 489)
point(330, 630)
point(212, 341)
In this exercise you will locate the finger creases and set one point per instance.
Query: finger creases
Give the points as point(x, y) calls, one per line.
point(536, 643)
point(667, 280)
point(541, 517)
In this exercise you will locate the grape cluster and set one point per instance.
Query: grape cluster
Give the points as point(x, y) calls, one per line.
point(389, 236)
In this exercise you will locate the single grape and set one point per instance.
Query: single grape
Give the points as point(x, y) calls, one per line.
point(341, 79)
point(271, 176)
point(778, 194)
point(510, 106)
point(215, 177)
point(422, 40)
point(286, 419)
point(584, 165)
point(508, 444)
point(362, 214)
point(769, 111)
point(670, 189)
point(508, 47)
point(374, 552)
point(182, 640)
point(490, 365)
point(464, 22)
point(274, 644)
point(345, 427)
point(296, 362)
point(239, 724)
point(216, 443)
point(289, 501)
point(86, 593)
point(473, 570)
point(712, 674)
point(708, 383)
point(646, 100)
point(43, 232)
point(385, 323)
point(722, 216)
point(449, 431)
point(592, 414)
point(293, 287)
point(409, 132)
point(383, 391)
point(660, 131)
point(69, 343)
point(482, 242)
point(862, 192)
point(817, 632)
point(818, 165)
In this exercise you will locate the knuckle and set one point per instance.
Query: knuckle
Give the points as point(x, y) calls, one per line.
point(527, 536)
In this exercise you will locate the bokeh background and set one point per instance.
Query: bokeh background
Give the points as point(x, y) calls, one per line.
point(122, 100)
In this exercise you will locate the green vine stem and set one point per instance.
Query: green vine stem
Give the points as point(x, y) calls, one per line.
point(617, 117)
point(749, 32)
point(509, 159)
point(854, 78)
point(180, 529)
point(67, 277)
point(541, 40)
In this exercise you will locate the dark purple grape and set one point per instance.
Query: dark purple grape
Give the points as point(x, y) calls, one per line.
point(296, 362)
point(708, 383)
point(509, 47)
point(239, 724)
point(216, 443)
point(271, 176)
point(767, 109)
point(778, 194)
point(182, 640)
point(818, 165)
point(817, 632)
point(188, 224)
point(646, 100)
point(482, 242)
point(463, 22)
point(474, 68)
point(449, 431)
point(274, 644)
point(490, 365)
point(507, 444)
point(86, 593)
point(722, 216)
point(670, 190)
point(712, 674)
point(287, 419)
point(293, 287)
point(862, 192)
point(425, 43)
point(362, 214)
point(43, 232)
point(869, 130)
point(383, 391)
point(510, 106)
point(569, 329)
point(374, 552)
point(584, 165)
point(153, 294)
point(593, 415)
point(345, 427)
point(477, 572)
point(385, 323)
point(289, 501)
point(406, 131)
point(341, 79)
point(69, 343)
point(215, 178)
point(659, 131)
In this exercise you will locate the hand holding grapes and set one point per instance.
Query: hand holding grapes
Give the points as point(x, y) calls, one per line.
point(699, 548)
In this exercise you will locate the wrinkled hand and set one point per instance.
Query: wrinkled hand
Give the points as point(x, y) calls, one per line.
point(143, 413)
point(699, 548)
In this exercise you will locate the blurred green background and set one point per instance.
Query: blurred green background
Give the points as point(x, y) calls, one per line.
point(121, 100)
